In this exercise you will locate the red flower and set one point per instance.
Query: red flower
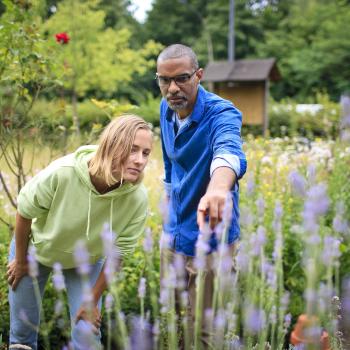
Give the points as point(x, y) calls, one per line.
point(62, 38)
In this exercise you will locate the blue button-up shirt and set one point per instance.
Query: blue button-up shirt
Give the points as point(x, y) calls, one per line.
point(212, 129)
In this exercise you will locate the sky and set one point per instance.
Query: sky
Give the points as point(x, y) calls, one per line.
point(139, 7)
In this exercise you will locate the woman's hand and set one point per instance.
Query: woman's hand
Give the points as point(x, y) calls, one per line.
point(15, 272)
point(90, 315)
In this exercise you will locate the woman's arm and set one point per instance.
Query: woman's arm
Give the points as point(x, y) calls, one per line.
point(94, 315)
point(18, 267)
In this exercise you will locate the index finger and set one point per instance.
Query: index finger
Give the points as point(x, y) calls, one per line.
point(201, 213)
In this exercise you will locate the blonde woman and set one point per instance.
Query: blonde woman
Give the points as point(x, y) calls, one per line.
point(70, 201)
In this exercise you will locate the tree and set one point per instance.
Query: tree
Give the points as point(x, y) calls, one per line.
point(25, 71)
point(94, 59)
point(312, 46)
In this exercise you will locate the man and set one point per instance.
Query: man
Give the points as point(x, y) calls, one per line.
point(203, 159)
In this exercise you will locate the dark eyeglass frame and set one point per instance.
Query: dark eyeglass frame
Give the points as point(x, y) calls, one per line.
point(179, 80)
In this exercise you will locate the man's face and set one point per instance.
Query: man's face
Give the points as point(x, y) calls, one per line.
point(181, 95)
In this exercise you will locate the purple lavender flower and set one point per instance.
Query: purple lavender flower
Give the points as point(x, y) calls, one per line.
point(345, 106)
point(81, 257)
point(346, 302)
point(156, 328)
point(141, 334)
point(277, 219)
point(57, 277)
point(219, 230)
point(310, 295)
point(340, 224)
point(164, 208)
point(32, 263)
point(287, 321)
point(250, 185)
point(277, 250)
point(58, 307)
point(179, 266)
point(254, 319)
point(184, 299)
point(220, 320)
point(164, 300)
point(242, 258)
point(246, 218)
point(108, 237)
point(209, 316)
point(226, 260)
point(227, 213)
point(109, 300)
point(261, 236)
point(202, 248)
point(273, 315)
point(148, 241)
point(142, 288)
point(316, 205)
point(285, 300)
point(311, 174)
point(85, 336)
point(331, 249)
point(87, 295)
point(165, 240)
point(234, 344)
point(298, 183)
point(260, 206)
point(325, 294)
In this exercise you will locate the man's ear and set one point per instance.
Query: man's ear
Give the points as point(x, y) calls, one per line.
point(199, 73)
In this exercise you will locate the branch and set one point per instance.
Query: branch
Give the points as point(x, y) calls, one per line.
point(9, 196)
point(8, 160)
point(9, 225)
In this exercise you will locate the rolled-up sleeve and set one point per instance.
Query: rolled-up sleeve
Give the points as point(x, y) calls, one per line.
point(226, 139)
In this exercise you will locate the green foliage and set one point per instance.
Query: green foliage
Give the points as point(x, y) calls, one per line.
point(95, 58)
point(149, 110)
point(311, 56)
point(4, 307)
point(285, 120)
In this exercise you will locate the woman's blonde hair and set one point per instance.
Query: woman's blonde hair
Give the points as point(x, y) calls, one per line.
point(115, 145)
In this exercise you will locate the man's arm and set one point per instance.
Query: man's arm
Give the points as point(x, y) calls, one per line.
point(213, 202)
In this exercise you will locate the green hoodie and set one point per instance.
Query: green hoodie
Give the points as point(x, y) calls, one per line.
point(66, 207)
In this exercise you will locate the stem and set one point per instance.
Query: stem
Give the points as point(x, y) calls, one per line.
point(123, 340)
point(41, 310)
point(109, 331)
point(199, 309)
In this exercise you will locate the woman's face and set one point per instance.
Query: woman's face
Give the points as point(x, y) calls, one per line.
point(138, 157)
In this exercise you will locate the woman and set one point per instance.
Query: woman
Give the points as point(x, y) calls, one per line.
point(70, 201)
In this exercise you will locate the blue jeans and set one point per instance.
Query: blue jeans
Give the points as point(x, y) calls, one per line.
point(24, 302)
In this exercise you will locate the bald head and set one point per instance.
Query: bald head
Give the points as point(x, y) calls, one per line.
point(178, 51)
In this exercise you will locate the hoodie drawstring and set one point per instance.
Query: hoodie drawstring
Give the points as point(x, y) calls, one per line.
point(88, 218)
point(89, 214)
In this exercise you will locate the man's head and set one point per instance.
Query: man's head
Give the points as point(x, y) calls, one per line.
point(178, 76)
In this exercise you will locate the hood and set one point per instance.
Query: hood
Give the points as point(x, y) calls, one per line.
point(81, 157)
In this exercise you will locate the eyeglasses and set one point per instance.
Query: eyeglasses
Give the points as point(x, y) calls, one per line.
point(179, 80)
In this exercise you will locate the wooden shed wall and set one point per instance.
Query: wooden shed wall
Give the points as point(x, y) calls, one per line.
point(249, 98)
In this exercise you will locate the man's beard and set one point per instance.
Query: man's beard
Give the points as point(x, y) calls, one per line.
point(177, 106)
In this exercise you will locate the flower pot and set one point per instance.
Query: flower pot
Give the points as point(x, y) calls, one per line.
point(302, 335)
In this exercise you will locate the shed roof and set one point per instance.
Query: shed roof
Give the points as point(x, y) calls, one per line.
point(242, 70)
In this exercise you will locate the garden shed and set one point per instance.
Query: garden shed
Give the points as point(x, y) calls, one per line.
point(246, 84)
